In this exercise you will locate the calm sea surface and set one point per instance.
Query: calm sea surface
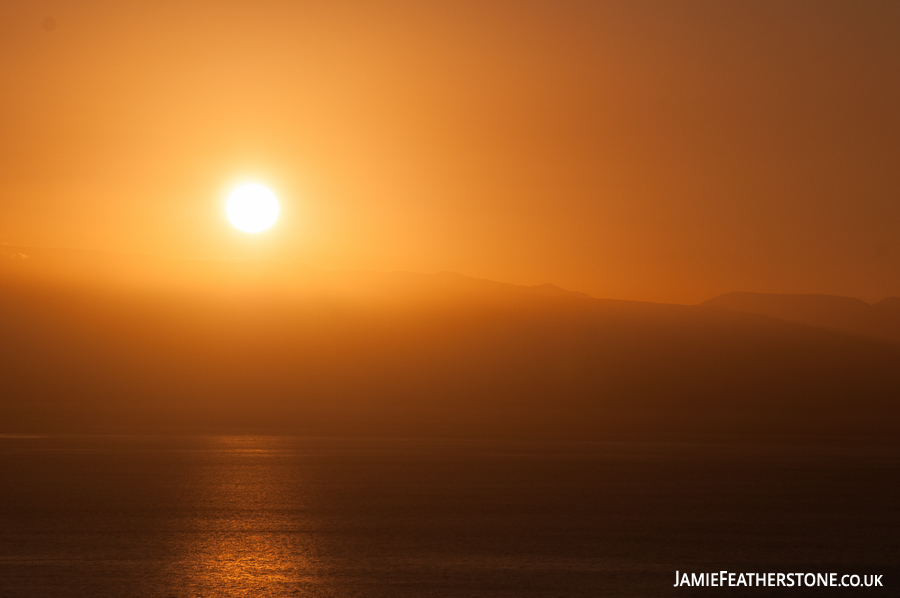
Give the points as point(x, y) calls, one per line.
point(286, 516)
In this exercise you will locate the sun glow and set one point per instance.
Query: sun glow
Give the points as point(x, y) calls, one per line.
point(252, 208)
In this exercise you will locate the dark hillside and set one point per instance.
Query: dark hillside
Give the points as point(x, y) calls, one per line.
point(276, 348)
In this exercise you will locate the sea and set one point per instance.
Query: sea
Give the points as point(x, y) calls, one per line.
point(260, 516)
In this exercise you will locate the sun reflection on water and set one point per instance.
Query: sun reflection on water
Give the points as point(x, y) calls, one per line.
point(249, 532)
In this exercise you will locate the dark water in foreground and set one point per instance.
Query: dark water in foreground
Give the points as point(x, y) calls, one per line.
point(278, 516)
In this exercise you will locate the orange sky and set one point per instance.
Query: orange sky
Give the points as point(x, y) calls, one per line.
point(664, 151)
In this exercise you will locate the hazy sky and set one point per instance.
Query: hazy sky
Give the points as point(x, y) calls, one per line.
point(665, 151)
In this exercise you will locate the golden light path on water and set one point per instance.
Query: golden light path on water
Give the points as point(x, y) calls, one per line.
point(251, 533)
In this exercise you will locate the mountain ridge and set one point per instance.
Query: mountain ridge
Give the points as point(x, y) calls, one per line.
point(846, 314)
point(91, 266)
point(369, 352)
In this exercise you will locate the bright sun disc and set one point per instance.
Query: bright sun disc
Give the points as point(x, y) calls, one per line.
point(252, 208)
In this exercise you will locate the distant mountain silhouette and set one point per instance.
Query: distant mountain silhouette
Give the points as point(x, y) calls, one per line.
point(106, 270)
point(881, 320)
point(95, 341)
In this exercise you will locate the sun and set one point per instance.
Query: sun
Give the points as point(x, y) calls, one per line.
point(252, 208)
